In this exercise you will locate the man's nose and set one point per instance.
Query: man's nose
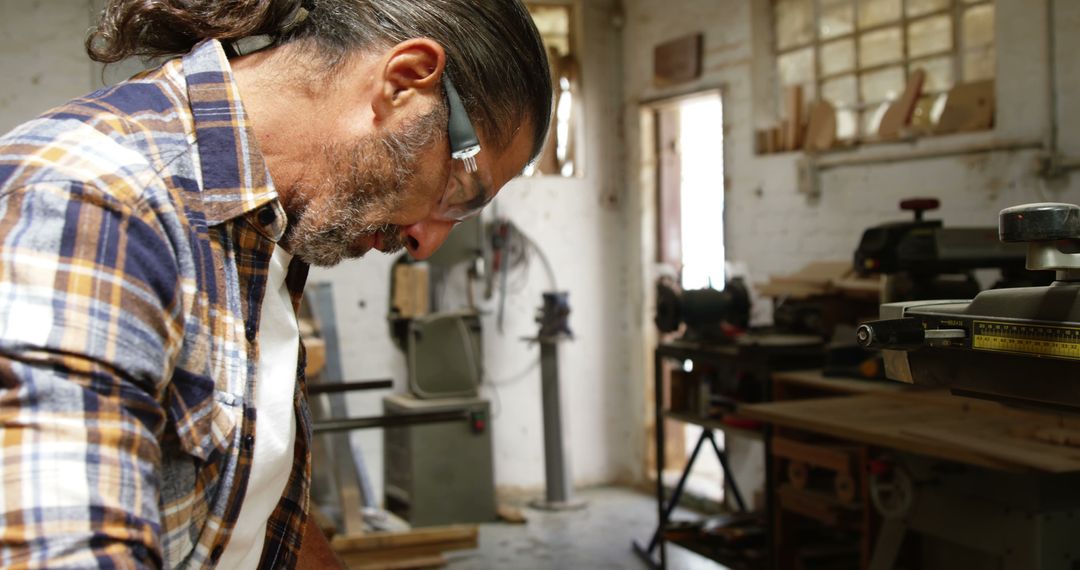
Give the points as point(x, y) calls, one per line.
point(423, 238)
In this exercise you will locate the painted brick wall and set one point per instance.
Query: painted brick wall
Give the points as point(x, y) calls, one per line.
point(772, 227)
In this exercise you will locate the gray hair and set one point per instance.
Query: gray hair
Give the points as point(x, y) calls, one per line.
point(495, 56)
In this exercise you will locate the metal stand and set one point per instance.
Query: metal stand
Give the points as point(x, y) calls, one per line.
point(646, 553)
point(553, 330)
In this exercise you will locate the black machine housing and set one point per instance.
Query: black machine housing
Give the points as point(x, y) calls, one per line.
point(1020, 344)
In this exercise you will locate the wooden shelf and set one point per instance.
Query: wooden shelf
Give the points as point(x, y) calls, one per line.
point(714, 423)
point(814, 378)
point(822, 507)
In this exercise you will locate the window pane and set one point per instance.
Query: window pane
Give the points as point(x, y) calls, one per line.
point(920, 7)
point(872, 119)
point(837, 18)
point(553, 22)
point(794, 24)
point(838, 57)
point(939, 73)
point(840, 91)
point(979, 26)
point(882, 85)
point(979, 64)
point(882, 46)
point(930, 35)
point(847, 123)
point(874, 12)
point(920, 117)
point(796, 67)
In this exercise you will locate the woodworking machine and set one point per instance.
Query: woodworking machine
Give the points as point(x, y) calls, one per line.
point(1019, 344)
point(922, 259)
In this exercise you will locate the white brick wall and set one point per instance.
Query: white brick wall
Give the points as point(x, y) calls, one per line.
point(773, 228)
point(600, 247)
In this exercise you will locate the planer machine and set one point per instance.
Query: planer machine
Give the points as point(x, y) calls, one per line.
point(1016, 345)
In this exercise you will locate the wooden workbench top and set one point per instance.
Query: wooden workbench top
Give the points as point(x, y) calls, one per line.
point(937, 424)
point(814, 378)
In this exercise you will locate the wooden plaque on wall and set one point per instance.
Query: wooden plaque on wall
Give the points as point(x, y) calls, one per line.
point(678, 60)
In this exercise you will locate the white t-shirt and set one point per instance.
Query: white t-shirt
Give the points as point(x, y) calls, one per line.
point(275, 423)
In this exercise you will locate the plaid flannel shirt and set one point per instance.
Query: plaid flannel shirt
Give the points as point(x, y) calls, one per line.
point(136, 227)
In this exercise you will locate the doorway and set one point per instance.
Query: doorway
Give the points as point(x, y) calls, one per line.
point(688, 146)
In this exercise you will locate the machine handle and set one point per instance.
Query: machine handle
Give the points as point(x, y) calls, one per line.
point(919, 205)
point(902, 334)
point(891, 333)
point(1047, 221)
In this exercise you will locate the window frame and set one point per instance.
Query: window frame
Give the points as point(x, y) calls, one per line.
point(862, 108)
point(575, 133)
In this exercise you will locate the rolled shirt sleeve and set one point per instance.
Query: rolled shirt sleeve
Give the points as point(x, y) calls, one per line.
point(90, 322)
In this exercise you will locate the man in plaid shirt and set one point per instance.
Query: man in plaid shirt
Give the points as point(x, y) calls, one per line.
point(155, 238)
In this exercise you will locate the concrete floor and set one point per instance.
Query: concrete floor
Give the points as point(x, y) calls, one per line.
point(596, 538)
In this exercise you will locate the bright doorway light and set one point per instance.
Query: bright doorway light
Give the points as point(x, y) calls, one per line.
point(701, 148)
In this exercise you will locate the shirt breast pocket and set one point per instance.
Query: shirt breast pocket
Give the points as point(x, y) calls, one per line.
point(205, 419)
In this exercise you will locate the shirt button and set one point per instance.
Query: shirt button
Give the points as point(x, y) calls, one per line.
point(267, 215)
point(215, 554)
point(249, 332)
point(249, 442)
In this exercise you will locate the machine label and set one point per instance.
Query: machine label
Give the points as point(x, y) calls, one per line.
point(1042, 340)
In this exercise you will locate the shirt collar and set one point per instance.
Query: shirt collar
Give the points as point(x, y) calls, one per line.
point(235, 181)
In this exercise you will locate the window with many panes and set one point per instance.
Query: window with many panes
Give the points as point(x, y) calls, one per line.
point(857, 54)
point(554, 20)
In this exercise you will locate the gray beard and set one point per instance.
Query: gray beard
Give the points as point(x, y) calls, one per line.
point(367, 182)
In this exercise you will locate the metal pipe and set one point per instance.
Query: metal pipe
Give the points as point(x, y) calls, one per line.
point(677, 494)
point(1051, 78)
point(389, 421)
point(335, 387)
point(555, 468)
point(729, 476)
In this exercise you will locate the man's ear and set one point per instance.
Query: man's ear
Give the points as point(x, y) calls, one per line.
point(409, 72)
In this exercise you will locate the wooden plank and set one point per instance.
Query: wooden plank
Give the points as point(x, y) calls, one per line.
point(832, 457)
point(316, 355)
point(816, 505)
point(872, 419)
point(817, 380)
point(821, 127)
point(938, 424)
point(678, 60)
point(969, 107)
point(793, 131)
point(716, 423)
point(898, 115)
point(998, 444)
point(465, 534)
point(357, 562)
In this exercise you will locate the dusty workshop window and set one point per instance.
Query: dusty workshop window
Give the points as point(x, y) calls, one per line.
point(858, 54)
point(555, 22)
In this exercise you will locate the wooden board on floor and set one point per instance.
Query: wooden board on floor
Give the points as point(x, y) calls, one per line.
point(935, 424)
point(417, 548)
